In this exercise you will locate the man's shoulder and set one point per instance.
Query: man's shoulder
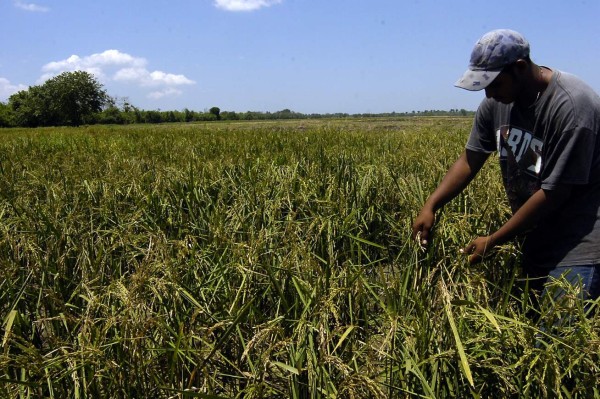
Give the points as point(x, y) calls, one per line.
point(575, 97)
point(574, 86)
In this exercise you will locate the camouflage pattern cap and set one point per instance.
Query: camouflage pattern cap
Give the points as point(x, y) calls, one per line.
point(494, 51)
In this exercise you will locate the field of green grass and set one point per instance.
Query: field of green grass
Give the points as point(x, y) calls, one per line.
point(266, 260)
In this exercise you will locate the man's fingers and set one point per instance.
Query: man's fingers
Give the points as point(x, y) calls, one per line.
point(475, 258)
point(422, 237)
point(476, 250)
point(422, 226)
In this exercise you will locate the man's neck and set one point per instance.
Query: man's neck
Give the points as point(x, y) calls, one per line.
point(535, 85)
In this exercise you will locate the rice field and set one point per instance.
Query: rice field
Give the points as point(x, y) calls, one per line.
point(266, 260)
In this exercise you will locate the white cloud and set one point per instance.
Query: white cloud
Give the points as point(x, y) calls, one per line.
point(96, 64)
point(146, 78)
point(244, 5)
point(7, 89)
point(107, 58)
point(30, 7)
point(131, 74)
point(169, 79)
point(169, 92)
point(115, 66)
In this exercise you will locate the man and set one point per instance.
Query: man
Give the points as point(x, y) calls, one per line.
point(544, 125)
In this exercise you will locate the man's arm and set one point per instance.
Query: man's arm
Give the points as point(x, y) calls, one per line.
point(538, 206)
point(456, 179)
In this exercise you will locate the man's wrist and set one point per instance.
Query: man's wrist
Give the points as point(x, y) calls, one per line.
point(494, 239)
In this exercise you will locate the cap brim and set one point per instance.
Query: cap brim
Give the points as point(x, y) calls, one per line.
point(476, 80)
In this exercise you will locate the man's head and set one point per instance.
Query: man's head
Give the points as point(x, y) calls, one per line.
point(496, 51)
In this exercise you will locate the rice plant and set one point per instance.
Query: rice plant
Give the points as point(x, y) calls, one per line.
point(257, 260)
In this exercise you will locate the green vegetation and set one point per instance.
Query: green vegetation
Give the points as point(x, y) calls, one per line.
point(78, 98)
point(265, 259)
point(69, 99)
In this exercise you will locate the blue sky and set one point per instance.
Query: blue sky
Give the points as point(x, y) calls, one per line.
point(309, 56)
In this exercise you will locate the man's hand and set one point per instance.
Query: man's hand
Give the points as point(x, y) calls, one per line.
point(539, 205)
point(456, 179)
point(479, 248)
point(421, 228)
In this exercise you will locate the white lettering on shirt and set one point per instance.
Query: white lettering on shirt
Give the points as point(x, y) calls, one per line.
point(522, 147)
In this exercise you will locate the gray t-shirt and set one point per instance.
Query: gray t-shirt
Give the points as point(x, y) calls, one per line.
point(551, 143)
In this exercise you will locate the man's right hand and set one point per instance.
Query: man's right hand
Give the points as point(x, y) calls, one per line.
point(421, 228)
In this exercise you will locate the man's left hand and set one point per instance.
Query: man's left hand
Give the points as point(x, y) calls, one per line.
point(478, 249)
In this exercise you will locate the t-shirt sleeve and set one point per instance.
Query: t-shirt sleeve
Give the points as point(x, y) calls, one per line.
point(568, 160)
point(482, 138)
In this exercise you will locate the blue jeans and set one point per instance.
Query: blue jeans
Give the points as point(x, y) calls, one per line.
point(588, 276)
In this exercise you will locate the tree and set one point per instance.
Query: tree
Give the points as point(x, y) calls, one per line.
point(187, 115)
point(76, 95)
point(70, 98)
point(229, 116)
point(216, 112)
point(111, 115)
point(5, 115)
point(28, 107)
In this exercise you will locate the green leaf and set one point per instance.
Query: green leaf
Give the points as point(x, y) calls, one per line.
point(343, 337)
point(459, 346)
point(287, 367)
point(490, 317)
point(8, 325)
point(365, 241)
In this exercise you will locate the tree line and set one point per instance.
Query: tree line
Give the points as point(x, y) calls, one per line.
point(77, 98)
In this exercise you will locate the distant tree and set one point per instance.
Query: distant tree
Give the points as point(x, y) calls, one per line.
point(5, 115)
point(229, 116)
point(111, 116)
point(205, 117)
point(216, 112)
point(152, 117)
point(29, 107)
point(76, 95)
point(283, 114)
point(70, 98)
point(187, 115)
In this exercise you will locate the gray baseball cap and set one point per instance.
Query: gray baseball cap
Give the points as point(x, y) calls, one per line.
point(494, 51)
